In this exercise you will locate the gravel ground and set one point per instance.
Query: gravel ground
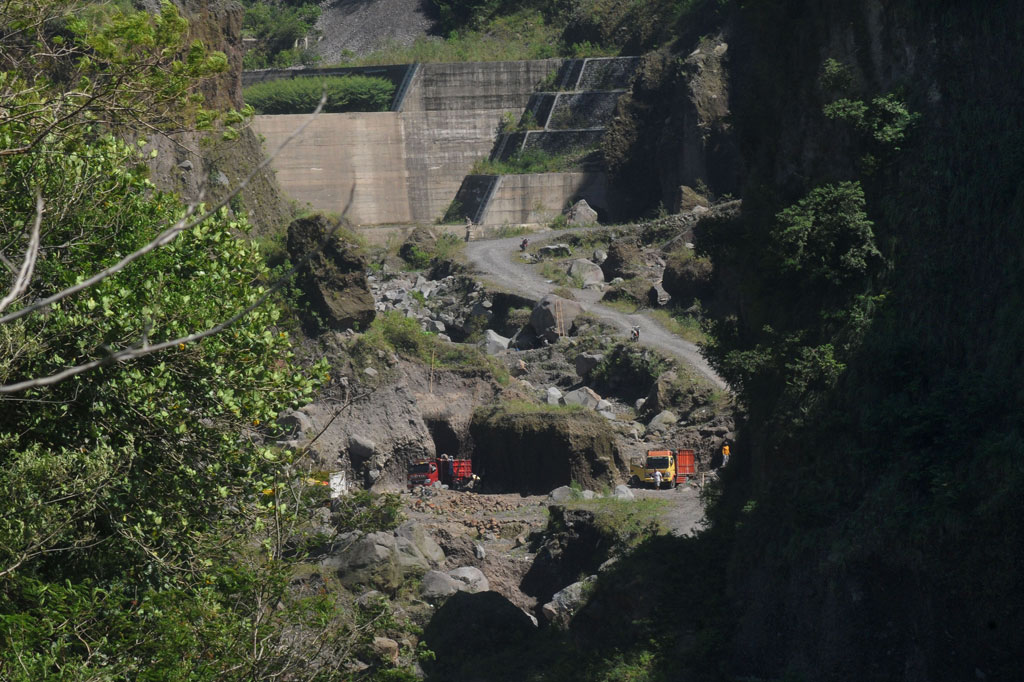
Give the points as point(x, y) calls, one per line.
point(501, 524)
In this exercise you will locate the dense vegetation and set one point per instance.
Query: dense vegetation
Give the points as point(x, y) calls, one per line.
point(144, 524)
point(301, 95)
point(278, 26)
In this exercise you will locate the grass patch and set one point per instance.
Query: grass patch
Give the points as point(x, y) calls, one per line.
point(535, 161)
point(625, 523)
point(553, 272)
point(621, 305)
point(528, 407)
point(394, 332)
point(512, 231)
point(682, 325)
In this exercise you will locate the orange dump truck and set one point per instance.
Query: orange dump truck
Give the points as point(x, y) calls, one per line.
point(675, 467)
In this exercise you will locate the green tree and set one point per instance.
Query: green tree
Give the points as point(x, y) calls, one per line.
point(136, 540)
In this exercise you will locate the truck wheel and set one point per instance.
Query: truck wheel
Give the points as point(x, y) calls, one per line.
point(634, 482)
point(672, 484)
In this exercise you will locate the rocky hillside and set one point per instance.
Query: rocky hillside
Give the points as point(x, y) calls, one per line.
point(870, 329)
point(198, 164)
point(349, 28)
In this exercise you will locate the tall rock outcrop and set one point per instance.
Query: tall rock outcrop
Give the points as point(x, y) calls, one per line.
point(332, 278)
point(534, 452)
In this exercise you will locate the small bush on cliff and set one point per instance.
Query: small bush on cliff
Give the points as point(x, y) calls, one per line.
point(301, 95)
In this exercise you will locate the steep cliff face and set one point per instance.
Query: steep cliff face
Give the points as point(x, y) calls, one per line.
point(876, 509)
point(203, 165)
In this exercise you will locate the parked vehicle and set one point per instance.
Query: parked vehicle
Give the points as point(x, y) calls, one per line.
point(675, 467)
point(455, 473)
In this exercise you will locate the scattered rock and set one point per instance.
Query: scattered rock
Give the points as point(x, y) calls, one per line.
point(566, 602)
point(554, 396)
point(472, 577)
point(371, 372)
point(621, 492)
point(294, 423)
point(555, 251)
point(584, 396)
point(561, 494)
point(360, 448)
point(386, 649)
point(662, 421)
point(600, 256)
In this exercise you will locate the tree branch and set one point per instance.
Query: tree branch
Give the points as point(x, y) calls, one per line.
point(128, 354)
point(28, 264)
point(165, 237)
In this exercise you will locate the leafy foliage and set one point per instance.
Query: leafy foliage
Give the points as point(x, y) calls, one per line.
point(135, 538)
point(301, 95)
point(278, 26)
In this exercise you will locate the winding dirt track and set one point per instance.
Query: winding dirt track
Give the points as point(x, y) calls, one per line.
point(494, 258)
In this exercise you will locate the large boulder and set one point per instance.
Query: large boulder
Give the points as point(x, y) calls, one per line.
point(470, 578)
point(555, 251)
point(485, 621)
point(438, 585)
point(581, 214)
point(688, 278)
point(624, 260)
point(583, 396)
point(553, 317)
point(494, 343)
point(418, 246)
point(586, 362)
point(588, 272)
point(332, 278)
point(382, 559)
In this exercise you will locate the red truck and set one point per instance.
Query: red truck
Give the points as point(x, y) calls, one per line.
point(455, 473)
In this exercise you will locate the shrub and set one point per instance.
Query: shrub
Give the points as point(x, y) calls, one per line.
point(301, 95)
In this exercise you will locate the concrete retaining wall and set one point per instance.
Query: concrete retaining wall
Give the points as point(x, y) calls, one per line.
point(539, 198)
point(473, 86)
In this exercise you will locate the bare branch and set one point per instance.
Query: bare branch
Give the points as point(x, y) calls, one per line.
point(164, 237)
point(28, 264)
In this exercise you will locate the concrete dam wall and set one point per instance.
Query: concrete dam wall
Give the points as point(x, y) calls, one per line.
point(407, 165)
point(403, 166)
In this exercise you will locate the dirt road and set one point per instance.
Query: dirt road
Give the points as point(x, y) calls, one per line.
point(495, 260)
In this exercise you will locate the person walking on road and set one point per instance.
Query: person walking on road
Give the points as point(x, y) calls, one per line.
point(657, 479)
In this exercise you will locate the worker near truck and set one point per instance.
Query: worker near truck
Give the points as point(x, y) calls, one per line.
point(657, 479)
